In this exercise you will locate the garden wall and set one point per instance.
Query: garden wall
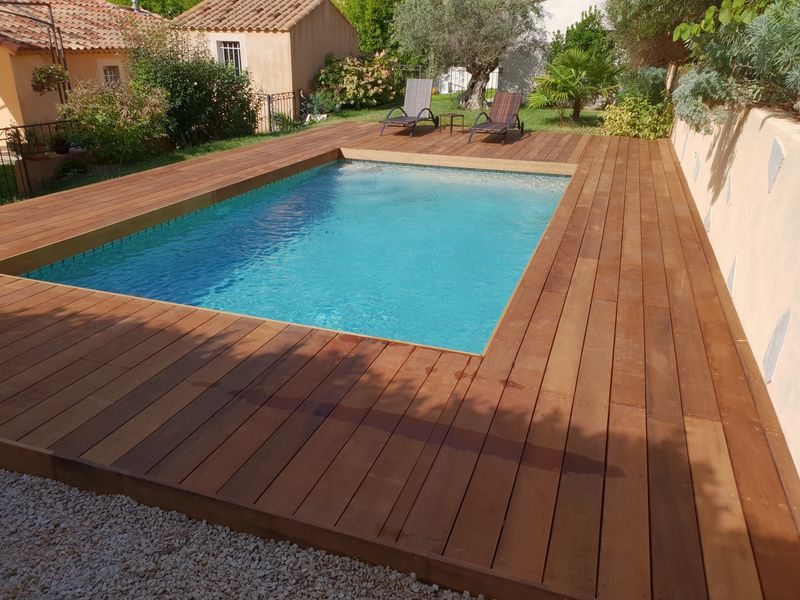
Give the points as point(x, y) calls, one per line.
point(745, 179)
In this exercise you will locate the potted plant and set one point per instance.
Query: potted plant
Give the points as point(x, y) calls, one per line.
point(48, 78)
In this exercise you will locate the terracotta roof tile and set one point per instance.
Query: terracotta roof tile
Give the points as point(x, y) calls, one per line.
point(84, 24)
point(246, 15)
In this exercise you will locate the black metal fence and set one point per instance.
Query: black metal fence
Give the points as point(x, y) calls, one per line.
point(280, 112)
point(21, 144)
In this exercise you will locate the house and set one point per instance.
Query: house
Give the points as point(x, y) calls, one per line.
point(281, 43)
point(84, 34)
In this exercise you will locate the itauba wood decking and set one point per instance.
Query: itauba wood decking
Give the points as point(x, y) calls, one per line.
point(615, 440)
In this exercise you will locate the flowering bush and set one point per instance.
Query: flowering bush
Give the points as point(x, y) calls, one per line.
point(207, 100)
point(635, 116)
point(115, 121)
point(359, 82)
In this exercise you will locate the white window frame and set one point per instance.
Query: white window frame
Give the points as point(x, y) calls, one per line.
point(230, 52)
point(107, 70)
point(215, 40)
point(110, 62)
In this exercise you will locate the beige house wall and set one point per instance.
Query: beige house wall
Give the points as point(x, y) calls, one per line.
point(265, 55)
point(10, 111)
point(20, 105)
point(324, 31)
point(281, 61)
point(755, 225)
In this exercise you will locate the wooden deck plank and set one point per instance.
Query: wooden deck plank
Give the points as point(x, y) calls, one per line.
point(194, 369)
point(614, 441)
point(332, 493)
point(292, 433)
point(298, 478)
point(156, 446)
point(675, 542)
point(625, 535)
point(377, 493)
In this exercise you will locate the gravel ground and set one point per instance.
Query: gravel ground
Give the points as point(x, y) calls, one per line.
point(60, 542)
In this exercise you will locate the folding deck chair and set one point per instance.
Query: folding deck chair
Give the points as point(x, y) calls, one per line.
point(416, 107)
point(503, 116)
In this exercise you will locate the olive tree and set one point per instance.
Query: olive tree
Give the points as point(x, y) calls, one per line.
point(474, 34)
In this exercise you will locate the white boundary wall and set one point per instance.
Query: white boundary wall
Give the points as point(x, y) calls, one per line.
point(745, 179)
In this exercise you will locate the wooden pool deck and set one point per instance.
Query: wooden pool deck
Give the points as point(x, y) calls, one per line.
point(615, 440)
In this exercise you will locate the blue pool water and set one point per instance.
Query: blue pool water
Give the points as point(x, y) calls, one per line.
point(420, 254)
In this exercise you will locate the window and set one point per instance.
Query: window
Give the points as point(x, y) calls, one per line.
point(230, 53)
point(111, 74)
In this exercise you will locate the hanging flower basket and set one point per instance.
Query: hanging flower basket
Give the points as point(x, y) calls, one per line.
point(48, 78)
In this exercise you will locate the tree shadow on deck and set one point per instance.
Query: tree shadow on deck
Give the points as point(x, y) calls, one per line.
point(301, 419)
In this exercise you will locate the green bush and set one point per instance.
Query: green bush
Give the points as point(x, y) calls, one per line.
point(636, 117)
point(647, 82)
point(323, 102)
point(207, 100)
point(574, 78)
point(744, 59)
point(701, 97)
point(285, 123)
point(115, 121)
point(359, 82)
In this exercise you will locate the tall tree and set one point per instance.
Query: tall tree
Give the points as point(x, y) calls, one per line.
point(372, 19)
point(474, 34)
point(642, 29)
point(589, 34)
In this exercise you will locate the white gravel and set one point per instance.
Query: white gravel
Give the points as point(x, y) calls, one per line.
point(60, 542)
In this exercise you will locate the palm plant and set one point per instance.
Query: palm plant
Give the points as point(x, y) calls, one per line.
point(573, 78)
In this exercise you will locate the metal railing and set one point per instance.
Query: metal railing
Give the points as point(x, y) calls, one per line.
point(278, 112)
point(21, 143)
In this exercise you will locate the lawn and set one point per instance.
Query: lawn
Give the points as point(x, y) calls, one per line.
point(541, 119)
point(535, 120)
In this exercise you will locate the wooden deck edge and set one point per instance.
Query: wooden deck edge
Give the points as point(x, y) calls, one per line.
point(33, 259)
point(432, 568)
point(461, 162)
point(782, 457)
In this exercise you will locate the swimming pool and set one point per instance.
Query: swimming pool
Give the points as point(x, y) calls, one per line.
point(420, 254)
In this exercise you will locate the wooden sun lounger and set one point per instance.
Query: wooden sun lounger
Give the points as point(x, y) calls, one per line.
point(503, 116)
point(416, 107)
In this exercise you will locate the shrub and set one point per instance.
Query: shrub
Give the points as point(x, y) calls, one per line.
point(114, 122)
point(701, 97)
point(636, 117)
point(573, 78)
point(745, 59)
point(48, 78)
point(647, 82)
point(323, 102)
point(207, 100)
point(285, 123)
point(359, 82)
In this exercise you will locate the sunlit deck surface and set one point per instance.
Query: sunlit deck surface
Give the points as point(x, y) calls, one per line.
point(616, 439)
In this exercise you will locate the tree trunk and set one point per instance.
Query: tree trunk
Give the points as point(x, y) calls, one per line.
point(476, 88)
point(577, 105)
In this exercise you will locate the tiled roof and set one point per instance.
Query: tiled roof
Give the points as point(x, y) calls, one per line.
point(84, 24)
point(246, 15)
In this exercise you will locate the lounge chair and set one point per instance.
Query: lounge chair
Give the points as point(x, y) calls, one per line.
point(503, 116)
point(416, 107)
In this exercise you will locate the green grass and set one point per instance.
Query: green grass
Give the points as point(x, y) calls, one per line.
point(535, 120)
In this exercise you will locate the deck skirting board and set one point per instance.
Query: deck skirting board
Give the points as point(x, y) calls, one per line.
point(102, 479)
